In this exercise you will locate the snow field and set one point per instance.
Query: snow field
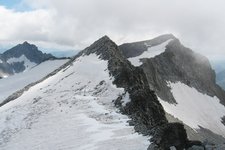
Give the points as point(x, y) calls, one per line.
point(70, 110)
point(16, 82)
point(195, 109)
point(150, 53)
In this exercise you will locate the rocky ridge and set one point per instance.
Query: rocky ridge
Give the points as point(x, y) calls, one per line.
point(146, 113)
point(178, 64)
point(14, 60)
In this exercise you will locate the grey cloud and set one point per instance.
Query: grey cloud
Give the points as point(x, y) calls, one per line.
point(199, 24)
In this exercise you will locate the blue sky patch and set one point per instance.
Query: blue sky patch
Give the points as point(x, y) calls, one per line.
point(17, 5)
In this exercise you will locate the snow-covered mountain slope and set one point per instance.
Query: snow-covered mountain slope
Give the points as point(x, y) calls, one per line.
point(152, 51)
point(21, 58)
point(196, 109)
point(85, 104)
point(18, 81)
point(149, 47)
point(29, 50)
point(185, 83)
point(72, 109)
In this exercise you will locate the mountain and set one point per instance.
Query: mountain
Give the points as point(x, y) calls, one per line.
point(21, 58)
point(135, 49)
point(108, 98)
point(97, 100)
point(185, 84)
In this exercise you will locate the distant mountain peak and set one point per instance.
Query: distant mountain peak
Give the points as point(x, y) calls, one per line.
point(18, 58)
point(26, 43)
point(26, 46)
point(29, 50)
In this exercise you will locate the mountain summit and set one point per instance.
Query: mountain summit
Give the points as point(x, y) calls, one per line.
point(137, 48)
point(30, 51)
point(20, 58)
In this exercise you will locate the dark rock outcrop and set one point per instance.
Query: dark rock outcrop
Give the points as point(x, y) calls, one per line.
point(176, 64)
point(5, 68)
point(223, 120)
point(147, 114)
point(170, 135)
point(30, 51)
point(144, 108)
point(137, 48)
point(179, 63)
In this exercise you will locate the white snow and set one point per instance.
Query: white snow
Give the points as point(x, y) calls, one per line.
point(1, 61)
point(70, 110)
point(196, 109)
point(150, 53)
point(27, 63)
point(126, 99)
point(5, 76)
point(16, 82)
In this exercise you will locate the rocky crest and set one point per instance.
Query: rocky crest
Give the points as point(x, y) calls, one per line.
point(179, 63)
point(137, 48)
point(147, 114)
point(29, 51)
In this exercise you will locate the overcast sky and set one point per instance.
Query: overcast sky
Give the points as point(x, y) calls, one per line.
point(74, 24)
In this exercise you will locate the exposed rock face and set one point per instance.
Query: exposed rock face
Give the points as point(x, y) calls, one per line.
point(137, 48)
point(144, 107)
point(28, 51)
point(177, 64)
point(5, 69)
point(170, 135)
point(147, 114)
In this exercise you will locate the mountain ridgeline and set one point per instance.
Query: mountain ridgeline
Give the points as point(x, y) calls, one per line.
point(21, 57)
point(165, 89)
point(178, 65)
